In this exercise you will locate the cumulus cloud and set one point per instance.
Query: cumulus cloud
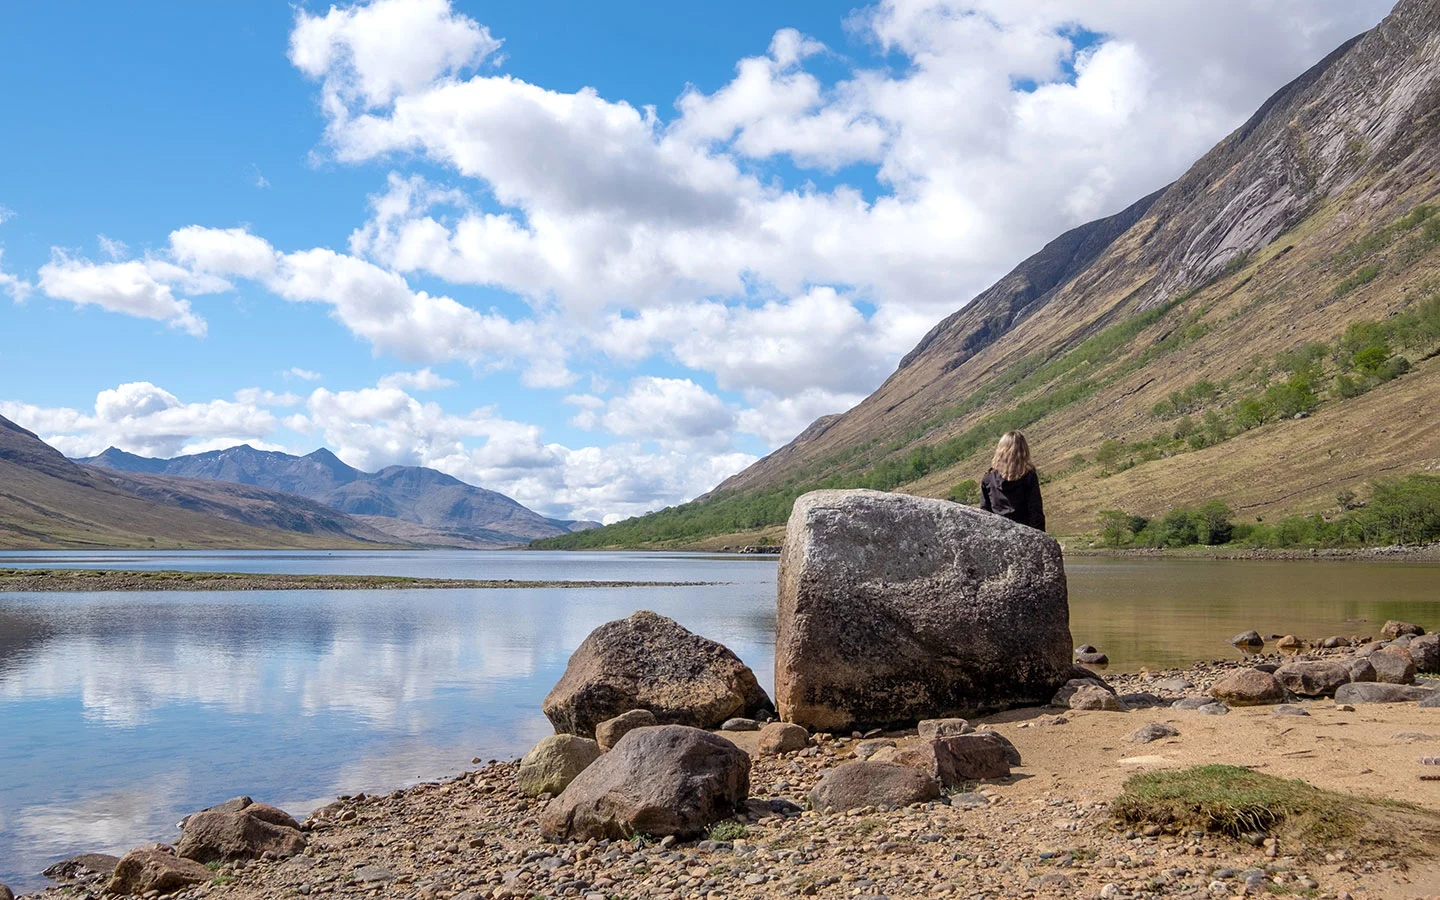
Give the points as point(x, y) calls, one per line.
point(144, 288)
point(421, 380)
point(668, 409)
point(17, 287)
point(302, 374)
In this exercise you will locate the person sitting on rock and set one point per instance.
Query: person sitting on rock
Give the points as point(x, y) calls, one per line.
point(1011, 488)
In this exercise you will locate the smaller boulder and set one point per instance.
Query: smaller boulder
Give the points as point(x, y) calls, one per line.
point(1334, 641)
point(610, 731)
point(1286, 709)
point(1317, 678)
point(1377, 692)
point(1248, 687)
point(738, 724)
point(1092, 659)
point(1247, 640)
point(1289, 643)
point(782, 737)
point(1360, 668)
point(239, 830)
point(1086, 648)
point(1155, 731)
point(84, 867)
point(1172, 685)
point(1095, 698)
point(5, 892)
point(1393, 666)
point(938, 728)
point(553, 763)
point(155, 868)
point(1012, 755)
point(1369, 647)
point(1066, 694)
point(1425, 652)
point(984, 754)
point(1432, 701)
point(885, 785)
point(1394, 629)
point(868, 748)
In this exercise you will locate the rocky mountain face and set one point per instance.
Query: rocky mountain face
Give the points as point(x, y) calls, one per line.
point(408, 503)
point(47, 501)
point(1312, 216)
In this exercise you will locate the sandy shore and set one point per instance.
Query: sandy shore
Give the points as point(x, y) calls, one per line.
point(36, 580)
point(1046, 831)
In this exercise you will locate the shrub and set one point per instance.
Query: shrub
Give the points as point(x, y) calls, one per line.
point(966, 492)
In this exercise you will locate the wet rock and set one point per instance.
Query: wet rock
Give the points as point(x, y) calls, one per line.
point(554, 762)
point(1247, 640)
point(1360, 668)
point(1153, 732)
point(1377, 692)
point(1394, 629)
point(666, 780)
point(1317, 678)
point(83, 867)
point(1393, 666)
point(1287, 709)
point(895, 608)
point(239, 830)
point(1289, 643)
point(1425, 652)
point(610, 731)
point(740, 724)
point(782, 737)
point(1248, 687)
point(155, 868)
point(937, 728)
point(885, 785)
point(1086, 648)
point(1092, 659)
point(647, 661)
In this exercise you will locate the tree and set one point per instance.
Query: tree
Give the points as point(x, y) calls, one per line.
point(1249, 413)
point(1114, 527)
point(1109, 453)
point(1213, 525)
point(966, 492)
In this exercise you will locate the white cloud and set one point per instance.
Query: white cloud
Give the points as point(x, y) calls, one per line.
point(422, 380)
point(17, 287)
point(302, 374)
point(115, 250)
point(142, 288)
point(665, 409)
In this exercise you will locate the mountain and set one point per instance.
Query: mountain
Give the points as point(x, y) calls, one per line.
point(409, 503)
point(1263, 331)
point(49, 502)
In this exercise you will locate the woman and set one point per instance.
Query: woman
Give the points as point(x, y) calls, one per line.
point(1011, 488)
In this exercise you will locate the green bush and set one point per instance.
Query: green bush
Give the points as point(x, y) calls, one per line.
point(966, 492)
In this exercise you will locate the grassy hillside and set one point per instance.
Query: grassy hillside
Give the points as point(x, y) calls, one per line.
point(1263, 332)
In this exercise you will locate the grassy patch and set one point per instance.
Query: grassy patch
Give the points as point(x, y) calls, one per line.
point(1235, 801)
point(728, 830)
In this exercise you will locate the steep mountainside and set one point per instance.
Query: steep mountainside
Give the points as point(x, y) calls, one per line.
point(1260, 331)
point(407, 502)
point(47, 501)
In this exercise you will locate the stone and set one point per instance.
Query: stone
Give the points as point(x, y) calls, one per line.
point(1360, 668)
point(5, 892)
point(1192, 702)
point(1095, 698)
point(973, 757)
point(1287, 709)
point(82, 867)
point(1153, 732)
point(1247, 639)
point(554, 762)
point(648, 661)
point(1248, 687)
point(155, 868)
point(868, 748)
point(1377, 692)
point(1092, 659)
point(1012, 755)
point(782, 737)
point(1067, 691)
point(894, 608)
point(1086, 648)
point(1289, 642)
point(1330, 643)
point(1318, 678)
point(610, 731)
point(1214, 709)
point(239, 830)
point(1393, 666)
point(854, 785)
point(936, 728)
point(663, 780)
point(1172, 685)
point(1425, 652)
point(1431, 701)
point(1394, 629)
point(372, 875)
point(740, 724)
point(1369, 647)
point(1142, 700)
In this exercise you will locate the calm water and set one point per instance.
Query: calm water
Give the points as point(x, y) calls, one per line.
point(119, 713)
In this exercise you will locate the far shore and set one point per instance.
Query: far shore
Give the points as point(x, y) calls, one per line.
point(36, 580)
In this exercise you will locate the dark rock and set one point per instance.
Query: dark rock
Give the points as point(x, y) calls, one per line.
point(1330, 643)
point(1248, 687)
point(1376, 692)
point(1092, 659)
point(610, 731)
point(1247, 639)
point(1267, 668)
point(934, 728)
point(83, 867)
point(1092, 697)
point(239, 830)
point(156, 868)
point(1393, 666)
point(1192, 702)
point(895, 608)
point(1066, 694)
point(1153, 732)
point(1369, 647)
point(868, 748)
point(1394, 629)
point(886, 785)
point(1286, 709)
point(1318, 678)
point(660, 781)
point(1142, 700)
point(973, 757)
point(782, 737)
point(1012, 755)
point(554, 762)
point(1086, 648)
point(1431, 701)
point(647, 661)
point(1360, 668)
point(1425, 652)
point(5, 892)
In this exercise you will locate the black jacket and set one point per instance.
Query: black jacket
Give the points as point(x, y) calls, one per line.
point(1018, 501)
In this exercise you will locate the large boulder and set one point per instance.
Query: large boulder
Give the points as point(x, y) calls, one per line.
point(895, 608)
point(1425, 652)
point(1377, 692)
point(239, 829)
point(886, 785)
point(1394, 629)
point(669, 779)
point(647, 661)
point(1318, 678)
point(1248, 687)
point(553, 763)
point(1393, 665)
point(953, 761)
point(155, 868)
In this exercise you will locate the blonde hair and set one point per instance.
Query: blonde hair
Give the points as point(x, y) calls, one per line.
point(1012, 456)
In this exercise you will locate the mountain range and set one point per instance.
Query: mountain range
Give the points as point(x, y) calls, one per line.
point(1262, 331)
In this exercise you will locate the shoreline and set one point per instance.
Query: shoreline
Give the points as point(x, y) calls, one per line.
point(118, 580)
point(1425, 553)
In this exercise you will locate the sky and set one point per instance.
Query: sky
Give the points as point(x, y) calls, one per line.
point(597, 257)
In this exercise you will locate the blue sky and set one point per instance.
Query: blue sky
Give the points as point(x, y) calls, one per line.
point(628, 248)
